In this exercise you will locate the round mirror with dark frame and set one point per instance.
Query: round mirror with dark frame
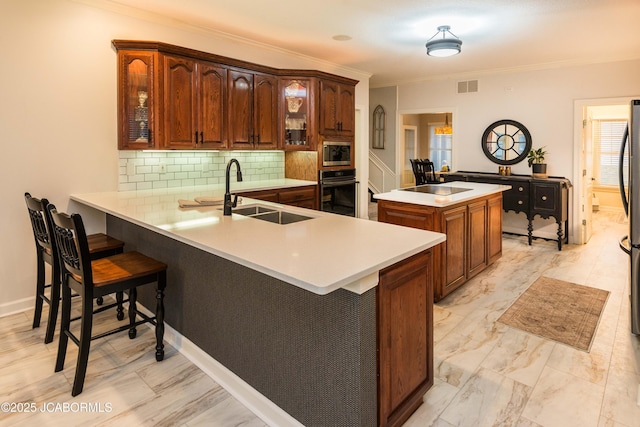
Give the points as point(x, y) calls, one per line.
point(506, 142)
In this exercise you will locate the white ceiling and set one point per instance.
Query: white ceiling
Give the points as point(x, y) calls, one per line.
point(388, 36)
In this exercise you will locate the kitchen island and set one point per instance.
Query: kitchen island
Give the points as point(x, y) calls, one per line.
point(325, 321)
point(469, 213)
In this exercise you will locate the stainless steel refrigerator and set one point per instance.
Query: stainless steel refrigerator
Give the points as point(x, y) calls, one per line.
point(631, 243)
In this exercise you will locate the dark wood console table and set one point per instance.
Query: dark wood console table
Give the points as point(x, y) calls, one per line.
point(548, 197)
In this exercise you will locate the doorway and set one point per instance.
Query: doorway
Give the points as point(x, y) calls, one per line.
point(409, 151)
point(592, 177)
point(417, 140)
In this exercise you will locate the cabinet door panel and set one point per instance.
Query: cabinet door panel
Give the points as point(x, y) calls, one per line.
point(328, 107)
point(136, 119)
point(265, 111)
point(296, 122)
point(240, 109)
point(494, 228)
point(211, 95)
point(179, 102)
point(455, 254)
point(477, 237)
point(347, 111)
point(405, 337)
point(545, 198)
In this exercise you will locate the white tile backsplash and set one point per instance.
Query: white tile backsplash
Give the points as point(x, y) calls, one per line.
point(140, 170)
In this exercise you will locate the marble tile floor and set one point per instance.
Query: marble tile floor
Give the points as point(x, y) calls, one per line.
point(124, 384)
point(487, 374)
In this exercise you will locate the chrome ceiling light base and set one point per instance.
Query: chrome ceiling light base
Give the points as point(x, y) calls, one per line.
point(442, 47)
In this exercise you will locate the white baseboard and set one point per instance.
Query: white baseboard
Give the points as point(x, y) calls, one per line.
point(17, 306)
point(256, 402)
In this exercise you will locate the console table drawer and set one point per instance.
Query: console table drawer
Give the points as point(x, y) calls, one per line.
point(515, 202)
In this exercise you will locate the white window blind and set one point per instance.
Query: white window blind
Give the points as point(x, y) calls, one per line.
point(607, 138)
point(440, 147)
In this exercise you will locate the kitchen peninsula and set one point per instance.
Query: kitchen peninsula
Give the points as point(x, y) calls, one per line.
point(469, 213)
point(308, 314)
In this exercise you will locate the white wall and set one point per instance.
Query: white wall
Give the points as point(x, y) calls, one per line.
point(542, 100)
point(58, 110)
point(387, 97)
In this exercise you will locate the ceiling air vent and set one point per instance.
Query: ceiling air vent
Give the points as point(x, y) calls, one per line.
point(468, 86)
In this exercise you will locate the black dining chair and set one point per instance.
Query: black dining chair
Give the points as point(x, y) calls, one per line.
point(95, 278)
point(100, 245)
point(424, 171)
point(429, 171)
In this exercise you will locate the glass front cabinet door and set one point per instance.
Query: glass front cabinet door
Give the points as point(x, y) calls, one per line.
point(297, 110)
point(136, 97)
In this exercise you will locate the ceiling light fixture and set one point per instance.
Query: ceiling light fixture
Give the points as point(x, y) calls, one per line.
point(444, 46)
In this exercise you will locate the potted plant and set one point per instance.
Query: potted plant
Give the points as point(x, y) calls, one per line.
point(536, 162)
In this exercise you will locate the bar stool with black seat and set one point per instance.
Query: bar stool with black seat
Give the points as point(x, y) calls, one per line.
point(100, 245)
point(95, 278)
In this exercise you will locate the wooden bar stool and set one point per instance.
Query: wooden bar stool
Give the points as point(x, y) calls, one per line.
point(100, 245)
point(95, 278)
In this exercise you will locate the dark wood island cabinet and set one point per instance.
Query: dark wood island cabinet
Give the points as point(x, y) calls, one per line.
point(474, 235)
point(404, 304)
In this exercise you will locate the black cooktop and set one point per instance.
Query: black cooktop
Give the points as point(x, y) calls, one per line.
point(438, 189)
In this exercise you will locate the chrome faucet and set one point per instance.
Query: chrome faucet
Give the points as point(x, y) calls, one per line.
point(228, 205)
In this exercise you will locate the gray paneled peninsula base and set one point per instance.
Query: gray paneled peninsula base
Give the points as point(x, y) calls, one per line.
point(548, 197)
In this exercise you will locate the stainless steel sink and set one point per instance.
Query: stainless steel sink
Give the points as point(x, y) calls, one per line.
point(252, 210)
point(270, 214)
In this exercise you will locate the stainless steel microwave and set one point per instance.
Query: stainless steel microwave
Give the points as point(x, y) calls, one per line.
point(336, 153)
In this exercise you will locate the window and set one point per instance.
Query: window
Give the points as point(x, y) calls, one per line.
point(607, 137)
point(439, 148)
point(379, 123)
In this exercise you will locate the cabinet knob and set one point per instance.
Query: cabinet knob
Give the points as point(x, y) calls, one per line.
point(520, 189)
point(520, 202)
point(544, 197)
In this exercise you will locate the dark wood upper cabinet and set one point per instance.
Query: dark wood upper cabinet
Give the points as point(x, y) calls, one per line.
point(179, 94)
point(136, 99)
point(240, 109)
point(297, 104)
point(171, 97)
point(337, 109)
point(265, 112)
point(212, 97)
point(253, 110)
point(194, 94)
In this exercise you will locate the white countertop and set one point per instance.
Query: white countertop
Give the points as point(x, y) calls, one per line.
point(321, 255)
point(476, 190)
